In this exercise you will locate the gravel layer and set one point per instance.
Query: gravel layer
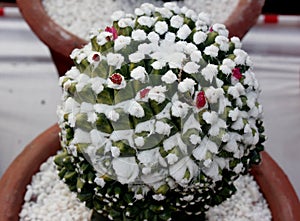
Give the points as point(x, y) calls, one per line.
point(79, 17)
point(48, 198)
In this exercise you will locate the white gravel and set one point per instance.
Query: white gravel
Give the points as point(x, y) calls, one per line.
point(81, 16)
point(247, 204)
point(48, 198)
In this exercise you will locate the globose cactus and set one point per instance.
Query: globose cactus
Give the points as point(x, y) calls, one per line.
point(159, 116)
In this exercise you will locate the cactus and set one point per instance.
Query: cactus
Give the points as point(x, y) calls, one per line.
point(159, 116)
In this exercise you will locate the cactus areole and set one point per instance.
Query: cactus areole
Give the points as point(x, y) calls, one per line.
point(159, 116)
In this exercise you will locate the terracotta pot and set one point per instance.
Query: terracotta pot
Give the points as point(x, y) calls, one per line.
point(61, 42)
point(274, 184)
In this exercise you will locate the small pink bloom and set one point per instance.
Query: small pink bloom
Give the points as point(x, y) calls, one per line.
point(113, 31)
point(200, 100)
point(144, 92)
point(116, 78)
point(236, 72)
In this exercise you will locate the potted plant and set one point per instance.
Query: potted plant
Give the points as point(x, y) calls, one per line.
point(159, 117)
point(61, 42)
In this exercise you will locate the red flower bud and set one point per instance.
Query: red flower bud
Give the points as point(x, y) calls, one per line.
point(96, 57)
point(116, 78)
point(200, 100)
point(237, 73)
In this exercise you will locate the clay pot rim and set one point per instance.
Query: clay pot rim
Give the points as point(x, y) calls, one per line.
point(274, 184)
point(63, 42)
point(48, 31)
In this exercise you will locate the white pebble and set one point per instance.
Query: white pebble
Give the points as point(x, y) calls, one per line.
point(28, 194)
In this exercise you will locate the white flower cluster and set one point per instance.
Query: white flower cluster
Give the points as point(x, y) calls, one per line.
point(162, 104)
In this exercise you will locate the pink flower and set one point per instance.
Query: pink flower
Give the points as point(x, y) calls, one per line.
point(113, 31)
point(144, 92)
point(236, 72)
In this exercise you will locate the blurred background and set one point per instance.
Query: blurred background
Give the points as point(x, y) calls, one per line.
point(29, 91)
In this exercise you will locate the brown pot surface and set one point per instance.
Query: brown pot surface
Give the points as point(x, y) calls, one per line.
point(274, 184)
point(61, 42)
point(277, 190)
point(244, 16)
